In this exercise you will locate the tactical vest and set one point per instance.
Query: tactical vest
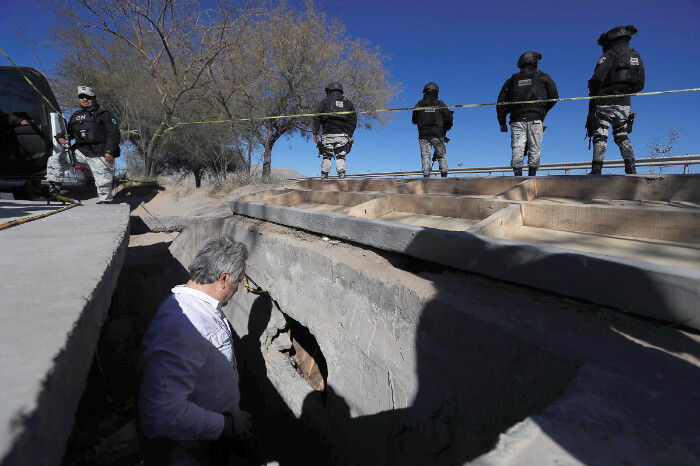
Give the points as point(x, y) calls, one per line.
point(627, 71)
point(430, 116)
point(527, 85)
point(87, 128)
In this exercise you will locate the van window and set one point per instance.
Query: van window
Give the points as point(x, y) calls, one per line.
point(25, 150)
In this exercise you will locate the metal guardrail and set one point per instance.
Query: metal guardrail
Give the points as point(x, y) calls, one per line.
point(678, 160)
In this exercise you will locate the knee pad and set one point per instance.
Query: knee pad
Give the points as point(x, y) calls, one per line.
point(599, 138)
point(620, 138)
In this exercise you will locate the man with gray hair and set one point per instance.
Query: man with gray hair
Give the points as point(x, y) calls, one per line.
point(188, 408)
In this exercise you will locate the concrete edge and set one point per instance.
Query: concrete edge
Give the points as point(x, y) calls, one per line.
point(162, 224)
point(661, 292)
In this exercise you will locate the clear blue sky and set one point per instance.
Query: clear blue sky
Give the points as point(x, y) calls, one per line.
point(470, 49)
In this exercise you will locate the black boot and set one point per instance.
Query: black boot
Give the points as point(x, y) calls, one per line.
point(324, 175)
point(596, 168)
point(518, 171)
point(629, 167)
point(443, 174)
point(54, 191)
point(341, 174)
point(532, 171)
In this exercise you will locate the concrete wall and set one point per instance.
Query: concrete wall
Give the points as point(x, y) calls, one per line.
point(433, 365)
point(56, 283)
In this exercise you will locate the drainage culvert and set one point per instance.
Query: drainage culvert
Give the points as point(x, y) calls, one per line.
point(406, 380)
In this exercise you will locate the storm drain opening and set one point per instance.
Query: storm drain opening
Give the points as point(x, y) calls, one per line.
point(306, 356)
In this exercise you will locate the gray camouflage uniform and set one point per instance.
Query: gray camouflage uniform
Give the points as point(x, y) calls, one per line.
point(331, 142)
point(102, 171)
point(617, 116)
point(522, 134)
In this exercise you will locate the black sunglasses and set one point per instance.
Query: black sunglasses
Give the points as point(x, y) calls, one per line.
point(83, 96)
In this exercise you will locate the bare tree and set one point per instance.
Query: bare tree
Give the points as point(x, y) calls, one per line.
point(660, 150)
point(289, 57)
point(172, 42)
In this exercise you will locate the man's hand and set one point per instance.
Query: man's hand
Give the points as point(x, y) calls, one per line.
point(109, 158)
point(63, 142)
point(241, 423)
point(25, 122)
point(315, 137)
point(504, 128)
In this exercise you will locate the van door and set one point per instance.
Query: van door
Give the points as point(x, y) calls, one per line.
point(25, 150)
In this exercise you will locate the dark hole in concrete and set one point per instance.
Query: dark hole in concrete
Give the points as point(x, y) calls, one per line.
point(306, 355)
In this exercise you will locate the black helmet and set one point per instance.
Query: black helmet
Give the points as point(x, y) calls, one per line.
point(529, 58)
point(334, 86)
point(431, 87)
point(615, 33)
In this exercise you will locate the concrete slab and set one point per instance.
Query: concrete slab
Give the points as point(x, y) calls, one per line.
point(427, 218)
point(429, 221)
point(15, 210)
point(668, 253)
point(56, 283)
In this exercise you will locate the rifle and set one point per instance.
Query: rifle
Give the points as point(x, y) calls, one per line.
point(444, 138)
point(591, 125)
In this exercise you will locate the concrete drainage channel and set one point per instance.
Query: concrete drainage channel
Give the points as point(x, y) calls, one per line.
point(353, 355)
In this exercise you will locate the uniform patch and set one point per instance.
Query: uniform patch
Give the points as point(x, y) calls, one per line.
point(339, 103)
point(524, 82)
point(114, 120)
point(634, 61)
point(601, 61)
point(430, 110)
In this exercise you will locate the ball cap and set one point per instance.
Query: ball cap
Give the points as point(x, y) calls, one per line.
point(86, 90)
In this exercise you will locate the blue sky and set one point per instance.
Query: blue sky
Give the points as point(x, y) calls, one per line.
point(470, 49)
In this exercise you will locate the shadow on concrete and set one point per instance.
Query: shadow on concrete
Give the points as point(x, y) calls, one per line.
point(506, 353)
point(282, 437)
point(147, 276)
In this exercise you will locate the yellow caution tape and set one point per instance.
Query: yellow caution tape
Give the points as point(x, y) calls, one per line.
point(257, 290)
point(383, 110)
point(402, 109)
point(20, 221)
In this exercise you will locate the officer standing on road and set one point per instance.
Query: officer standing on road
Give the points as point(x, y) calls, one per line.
point(433, 125)
point(337, 130)
point(97, 137)
point(526, 120)
point(619, 71)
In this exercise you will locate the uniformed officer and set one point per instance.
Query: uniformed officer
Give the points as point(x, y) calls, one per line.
point(97, 137)
point(433, 125)
point(526, 120)
point(336, 130)
point(619, 71)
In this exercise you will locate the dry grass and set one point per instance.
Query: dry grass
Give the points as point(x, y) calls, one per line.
point(240, 180)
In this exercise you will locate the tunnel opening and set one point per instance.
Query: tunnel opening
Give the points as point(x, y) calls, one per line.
point(306, 355)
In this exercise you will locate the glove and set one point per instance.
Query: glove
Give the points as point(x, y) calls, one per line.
point(227, 434)
point(241, 424)
point(504, 128)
